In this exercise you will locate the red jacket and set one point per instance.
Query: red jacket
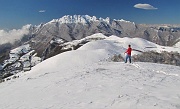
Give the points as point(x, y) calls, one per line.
point(128, 51)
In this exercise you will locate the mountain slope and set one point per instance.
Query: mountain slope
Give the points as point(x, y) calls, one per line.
point(24, 57)
point(83, 78)
point(76, 27)
point(69, 28)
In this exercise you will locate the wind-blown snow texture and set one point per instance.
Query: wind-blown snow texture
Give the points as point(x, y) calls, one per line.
point(85, 79)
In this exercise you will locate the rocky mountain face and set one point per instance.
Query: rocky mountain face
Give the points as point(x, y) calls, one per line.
point(76, 27)
point(24, 57)
point(47, 40)
point(20, 59)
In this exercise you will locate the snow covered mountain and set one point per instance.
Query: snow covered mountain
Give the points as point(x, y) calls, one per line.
point(76, 27)
point(69, 28)
point(86, 78)
point(84, 19)
point(54, 37)
point(24, 57)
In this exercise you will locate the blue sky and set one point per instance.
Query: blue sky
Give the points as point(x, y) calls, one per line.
point(16, 13)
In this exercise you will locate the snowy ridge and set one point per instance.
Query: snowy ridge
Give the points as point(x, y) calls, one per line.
point(24, 53)
point(137, 44)
point(75, 19)
point(177, 44)
point(84, 19)
point(84, 79)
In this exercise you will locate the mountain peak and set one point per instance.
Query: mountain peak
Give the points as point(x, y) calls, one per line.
point(84, 19)
point(75, 19)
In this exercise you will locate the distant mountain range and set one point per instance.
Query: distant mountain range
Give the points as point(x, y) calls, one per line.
point(50, 38)
point(76, 27)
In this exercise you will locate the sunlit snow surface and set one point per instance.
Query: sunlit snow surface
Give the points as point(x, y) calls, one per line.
point(86, 79)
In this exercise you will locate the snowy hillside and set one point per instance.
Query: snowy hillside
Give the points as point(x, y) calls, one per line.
point(86, 79)
point(46, 38)
point(177, 45)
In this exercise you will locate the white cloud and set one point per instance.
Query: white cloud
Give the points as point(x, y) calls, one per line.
point(13, 35)
point(41, 11)
point(145, 6)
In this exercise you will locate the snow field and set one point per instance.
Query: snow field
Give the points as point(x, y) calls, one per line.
point(84, 79)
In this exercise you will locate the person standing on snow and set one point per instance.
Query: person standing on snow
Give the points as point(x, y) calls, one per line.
point(128, 54)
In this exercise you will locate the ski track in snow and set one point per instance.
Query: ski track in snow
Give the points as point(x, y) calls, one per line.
point(161, 72)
